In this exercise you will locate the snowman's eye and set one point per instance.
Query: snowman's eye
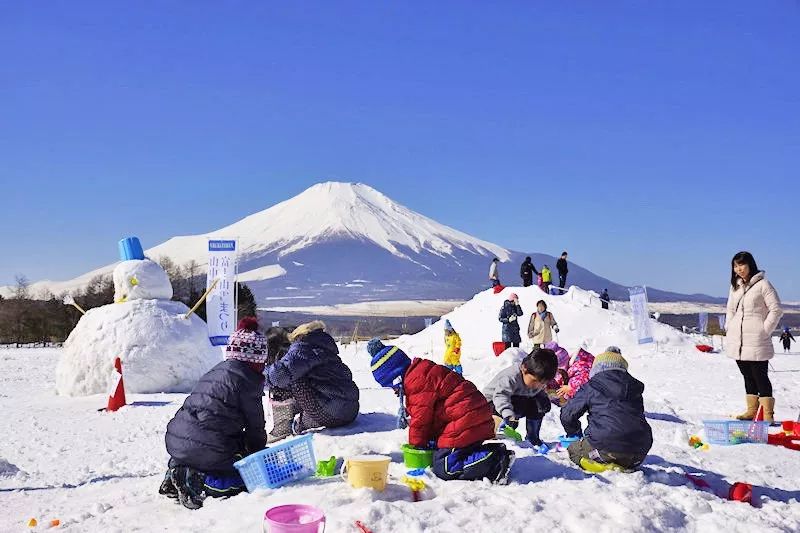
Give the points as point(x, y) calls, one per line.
point(133, 281)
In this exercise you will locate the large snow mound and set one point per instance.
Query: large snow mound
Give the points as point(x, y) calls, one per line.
point(141, 279)
point(160, 350)
point(582, 323)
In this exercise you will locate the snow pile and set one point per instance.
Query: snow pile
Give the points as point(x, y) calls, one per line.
point(160, 350)
point(141, 279)
point(582, 322)
point(7, 469)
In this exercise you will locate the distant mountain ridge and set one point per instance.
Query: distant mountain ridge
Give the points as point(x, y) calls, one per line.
point(346, 242)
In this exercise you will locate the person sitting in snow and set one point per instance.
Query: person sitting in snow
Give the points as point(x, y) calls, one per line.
point(452, 348)
point(510, 314)
point(315, 388)
point(617, 430)
point(445, 412)
point(573, 373)
point(518, 392)
point(541, 324)
point(221, 421)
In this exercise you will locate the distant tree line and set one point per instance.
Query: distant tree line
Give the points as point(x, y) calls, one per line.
point(43, 318)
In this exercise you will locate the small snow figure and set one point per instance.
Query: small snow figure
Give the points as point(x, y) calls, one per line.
point(319, 385)
point(617, 432)
point(510, 314)
point(786, 339)
point(541, 324)
point(452, 351)
point(518, 392)
point(220, 422)
point(446, 412)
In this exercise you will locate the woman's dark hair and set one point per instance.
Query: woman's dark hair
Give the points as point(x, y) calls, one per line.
point(277, 343)
point(742, 258)
point(542, 363)
point(543, 303)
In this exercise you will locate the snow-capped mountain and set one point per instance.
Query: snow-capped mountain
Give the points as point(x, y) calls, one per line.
point(345, 242)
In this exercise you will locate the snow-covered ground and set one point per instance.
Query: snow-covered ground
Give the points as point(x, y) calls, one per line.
point(431, 308)
point(62, 459)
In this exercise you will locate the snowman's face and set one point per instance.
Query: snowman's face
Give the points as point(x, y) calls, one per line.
point(140, 280)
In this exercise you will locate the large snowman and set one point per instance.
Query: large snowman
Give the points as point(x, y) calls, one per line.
point(160, 349)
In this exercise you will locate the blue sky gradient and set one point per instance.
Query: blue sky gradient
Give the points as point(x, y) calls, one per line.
point(652, 140)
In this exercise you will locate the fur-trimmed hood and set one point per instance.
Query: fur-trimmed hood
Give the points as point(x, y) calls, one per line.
point(304, 329)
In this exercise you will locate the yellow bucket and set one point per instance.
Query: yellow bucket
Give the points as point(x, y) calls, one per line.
point(366, 471)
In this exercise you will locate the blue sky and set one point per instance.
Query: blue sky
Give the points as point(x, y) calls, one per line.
point(650, 139)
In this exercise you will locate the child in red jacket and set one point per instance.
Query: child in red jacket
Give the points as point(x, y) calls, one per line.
point(446, 412)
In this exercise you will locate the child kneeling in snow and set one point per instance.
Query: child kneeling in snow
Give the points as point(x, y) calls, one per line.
point(316, 389)
point(573, 373)
point(446, 412)
point(617, 431)
point(220, 422)
point(518, 391)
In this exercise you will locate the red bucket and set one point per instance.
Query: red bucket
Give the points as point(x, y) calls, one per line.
point(498, 348)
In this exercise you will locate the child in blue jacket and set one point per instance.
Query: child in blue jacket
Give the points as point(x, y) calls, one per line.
point(617, 430)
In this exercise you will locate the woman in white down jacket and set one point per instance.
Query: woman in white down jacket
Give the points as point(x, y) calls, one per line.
point(754, 310)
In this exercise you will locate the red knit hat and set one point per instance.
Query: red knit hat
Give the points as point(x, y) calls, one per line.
point(247, 343)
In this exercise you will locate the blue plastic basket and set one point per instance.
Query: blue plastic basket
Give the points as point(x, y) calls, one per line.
point(735, 431)
point(278, 465)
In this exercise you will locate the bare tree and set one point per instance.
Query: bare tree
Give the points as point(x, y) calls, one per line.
point(21, 288)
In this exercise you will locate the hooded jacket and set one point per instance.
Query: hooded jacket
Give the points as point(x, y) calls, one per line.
point(753, 312)
point(510, 326)
point(222, 417)
point(540, 331)
point(444, 407)
point(505, 385)
point(314, 358)
point(613, 399)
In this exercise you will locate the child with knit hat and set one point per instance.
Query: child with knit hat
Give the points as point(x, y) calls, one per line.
point(221, 421)
point(445, 412)
point(617, 431)
point(452, 348)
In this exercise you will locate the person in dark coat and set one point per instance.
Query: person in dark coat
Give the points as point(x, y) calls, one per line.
point(786, 339)
point(563, 270)
point(617, 430)
point(604, 299)
point(319, 386)
point(445, 412)
point(526, 271)
point(221, 421)
point(510, 314)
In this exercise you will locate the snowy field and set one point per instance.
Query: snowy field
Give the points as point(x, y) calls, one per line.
point(62, 459)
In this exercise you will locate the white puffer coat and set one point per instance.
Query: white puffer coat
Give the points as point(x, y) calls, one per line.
point(754, 310)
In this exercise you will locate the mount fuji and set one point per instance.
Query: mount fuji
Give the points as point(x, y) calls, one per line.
point(346, 242)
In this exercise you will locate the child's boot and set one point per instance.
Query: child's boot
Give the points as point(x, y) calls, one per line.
point(752, 407)
point(768, 405)
point(167, 487)
point(282, 415)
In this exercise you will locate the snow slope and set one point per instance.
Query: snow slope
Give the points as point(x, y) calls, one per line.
point(100, 471)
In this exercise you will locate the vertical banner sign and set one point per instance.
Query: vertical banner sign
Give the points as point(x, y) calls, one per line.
point(722, 324)
point(220, 304)
point(703, 318)
point(641, 316)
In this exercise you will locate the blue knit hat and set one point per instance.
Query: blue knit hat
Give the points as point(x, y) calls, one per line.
point(448, 326)
point(611, 359)
point(374, 346)
point(388, 364)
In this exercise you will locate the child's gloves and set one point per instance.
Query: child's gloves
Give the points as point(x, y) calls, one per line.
point(578, 435)
point(508, 421)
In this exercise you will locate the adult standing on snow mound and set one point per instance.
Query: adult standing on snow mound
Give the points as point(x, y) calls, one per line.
point(541, 326)
point(786, 339)
point(494, 273)
point(319, 383)
point(563, 270)
point(526, 271)
point(220, 422)
point(754, 311)
point(604, 299)
point(510, 314)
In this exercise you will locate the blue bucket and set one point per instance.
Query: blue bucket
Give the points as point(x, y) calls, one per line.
point(130, 248)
